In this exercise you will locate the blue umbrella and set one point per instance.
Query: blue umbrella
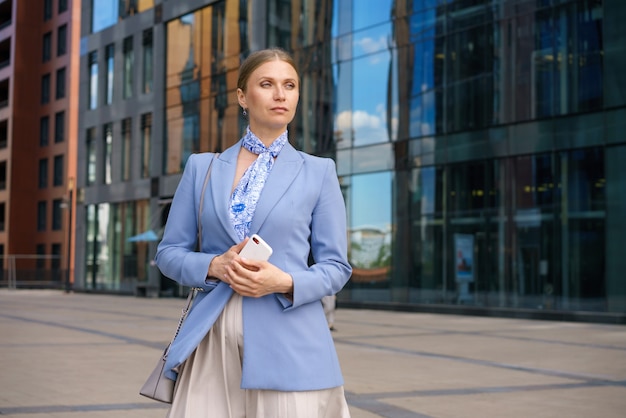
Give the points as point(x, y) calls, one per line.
point(149, 235)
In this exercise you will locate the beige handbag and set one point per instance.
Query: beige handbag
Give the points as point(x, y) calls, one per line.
point(157, 386)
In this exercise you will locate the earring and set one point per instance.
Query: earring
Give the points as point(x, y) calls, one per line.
point(244, 112)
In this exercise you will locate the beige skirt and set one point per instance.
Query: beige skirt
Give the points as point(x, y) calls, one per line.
point(209, 383)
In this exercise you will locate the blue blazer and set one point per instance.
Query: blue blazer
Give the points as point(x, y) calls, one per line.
point(287, 345)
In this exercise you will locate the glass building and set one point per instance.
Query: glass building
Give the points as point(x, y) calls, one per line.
point(479, 143)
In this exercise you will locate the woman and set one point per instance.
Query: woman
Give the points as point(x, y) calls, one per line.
point(256, 342)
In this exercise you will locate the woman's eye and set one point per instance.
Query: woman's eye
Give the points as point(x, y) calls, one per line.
point(266, 84)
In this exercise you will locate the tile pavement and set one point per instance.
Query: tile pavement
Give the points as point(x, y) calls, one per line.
point(83, 355)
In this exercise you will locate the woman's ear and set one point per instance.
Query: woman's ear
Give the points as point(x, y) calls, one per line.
point(241, 98)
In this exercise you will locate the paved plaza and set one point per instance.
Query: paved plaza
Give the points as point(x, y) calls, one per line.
point(81, 355)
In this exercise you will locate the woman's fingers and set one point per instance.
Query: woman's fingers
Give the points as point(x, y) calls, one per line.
point(247, 277)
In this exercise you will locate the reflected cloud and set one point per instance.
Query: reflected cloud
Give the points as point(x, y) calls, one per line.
point(370, 46)
point(367, 128)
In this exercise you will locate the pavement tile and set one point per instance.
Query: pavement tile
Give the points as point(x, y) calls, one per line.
point(86, 355)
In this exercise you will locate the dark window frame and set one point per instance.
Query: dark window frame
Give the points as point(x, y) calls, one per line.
point(46, 47)
point(45, 88)
point(61, 40)
point(59, 169)
point(60, 83)
point(59, 127)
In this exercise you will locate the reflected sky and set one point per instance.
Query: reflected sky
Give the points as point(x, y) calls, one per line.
point(371, 201)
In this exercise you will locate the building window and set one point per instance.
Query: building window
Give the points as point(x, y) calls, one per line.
point(3, 175)
point(93, 80)
point(129, 59)
point(56, 215)
point(91, 156)
point(4, 134)
point(126, 146)
point(200, 105)
point(44, 131)
point(57, 180)
point(55, 262)
point(46, 47)
point(110, 59)
point(43, 173)
point(103, 14)
point(59, 127)
point(147, 69)
point(40, 250)
point(62, 6)
point(107, 149)
point(45, 89)
point(41, 215)
point(2, 216)
point(61, 40)
point(60, 91)
point(47, 10)
point(146, 137)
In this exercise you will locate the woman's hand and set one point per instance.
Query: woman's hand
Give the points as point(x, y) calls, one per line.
point(217, 268)
point(256, 278)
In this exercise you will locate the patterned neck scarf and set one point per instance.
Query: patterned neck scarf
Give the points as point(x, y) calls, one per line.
point(246, 195)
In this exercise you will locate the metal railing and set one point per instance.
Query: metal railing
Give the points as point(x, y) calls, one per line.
point(29, 275)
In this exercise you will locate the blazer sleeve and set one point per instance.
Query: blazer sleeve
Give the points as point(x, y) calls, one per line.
point(176, 254)
point(329, 246)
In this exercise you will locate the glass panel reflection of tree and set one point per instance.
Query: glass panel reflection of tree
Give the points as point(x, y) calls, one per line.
point(370, 226)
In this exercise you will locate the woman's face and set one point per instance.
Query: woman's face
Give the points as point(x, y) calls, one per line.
point(271, 97)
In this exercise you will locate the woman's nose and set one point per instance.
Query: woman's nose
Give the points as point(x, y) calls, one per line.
point(279, 93)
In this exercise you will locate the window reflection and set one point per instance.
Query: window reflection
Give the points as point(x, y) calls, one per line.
point(110, 63)
point(126, 149)
point(129, 68)
point(366, 14)
point(146, 144)
point(147, 62)
point(201, 74)
point(369, 115)
point(91, 156)
point(370, 226)
point(107, 153)
point(113, 261)
point(93, 80)
point(426, 203)
point(105, 13)
point(536, 185)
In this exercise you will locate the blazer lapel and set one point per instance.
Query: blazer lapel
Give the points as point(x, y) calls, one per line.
point(286, 167)
point(221, 184)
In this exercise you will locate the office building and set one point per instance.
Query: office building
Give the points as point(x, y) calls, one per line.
point(479, 143)
point(38, 139)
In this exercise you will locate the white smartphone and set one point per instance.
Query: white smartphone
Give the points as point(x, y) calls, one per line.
point(256, 249)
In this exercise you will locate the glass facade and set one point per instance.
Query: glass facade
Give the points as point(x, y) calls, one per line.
point(93, 81)
point(107, 153)
point(129, 68)
point(110, 77)
point(125, 174)
point(479, 144)
point(146, 142)
point(113, 261)
point(106, 13)
point(147, 72)
point(203, 50)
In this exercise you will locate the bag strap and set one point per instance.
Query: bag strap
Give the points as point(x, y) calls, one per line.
point(194, 290)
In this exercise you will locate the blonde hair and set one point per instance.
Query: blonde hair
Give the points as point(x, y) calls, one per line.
point(258, 58)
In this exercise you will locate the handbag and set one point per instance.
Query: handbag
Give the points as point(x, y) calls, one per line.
point(157, 386)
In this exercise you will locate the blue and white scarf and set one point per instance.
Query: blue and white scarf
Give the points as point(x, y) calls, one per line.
point(246, 195)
